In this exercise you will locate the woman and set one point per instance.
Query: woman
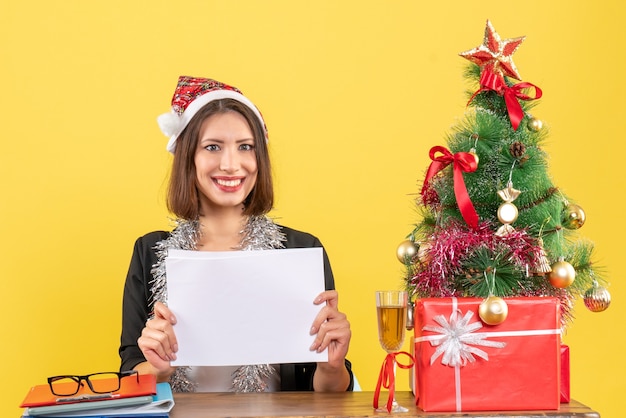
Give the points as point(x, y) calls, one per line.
point(220, 190)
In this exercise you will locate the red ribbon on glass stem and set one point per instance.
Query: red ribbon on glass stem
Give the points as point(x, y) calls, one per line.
point(387, 377)
point(461, 162)
point(492, 81)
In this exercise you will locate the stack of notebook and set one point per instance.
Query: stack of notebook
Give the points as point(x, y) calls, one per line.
point(144, 399)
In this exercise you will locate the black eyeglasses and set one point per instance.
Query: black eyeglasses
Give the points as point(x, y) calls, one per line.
point(104, 382)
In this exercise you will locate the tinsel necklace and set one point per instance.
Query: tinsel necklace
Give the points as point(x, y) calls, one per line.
point(259, 233)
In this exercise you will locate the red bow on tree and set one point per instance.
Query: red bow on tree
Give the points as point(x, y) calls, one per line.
point(492, 81)
point(461, 162)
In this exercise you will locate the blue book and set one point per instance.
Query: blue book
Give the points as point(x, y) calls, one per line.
point(157, 406)
point(141, 415)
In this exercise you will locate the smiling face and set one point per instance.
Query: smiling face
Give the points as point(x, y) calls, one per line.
point(225, 160)
point(188, 189)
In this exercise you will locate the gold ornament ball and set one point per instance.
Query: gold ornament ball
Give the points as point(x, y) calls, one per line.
point(562, 274)
point(493, 310)
point(535, 124)
point(574, 217)
point(406, 251)
point(507, 213)
point(597, 298)
point(473, 153)
point(422, 252)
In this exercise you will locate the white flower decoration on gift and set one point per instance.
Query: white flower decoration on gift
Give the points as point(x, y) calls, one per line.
point(455, 340)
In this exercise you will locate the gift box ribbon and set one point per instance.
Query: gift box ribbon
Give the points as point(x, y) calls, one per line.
point(456, 340)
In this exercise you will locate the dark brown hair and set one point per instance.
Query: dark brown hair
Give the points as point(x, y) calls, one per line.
point(183, 195)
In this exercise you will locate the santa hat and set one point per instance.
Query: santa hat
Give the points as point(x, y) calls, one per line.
point(191, 94)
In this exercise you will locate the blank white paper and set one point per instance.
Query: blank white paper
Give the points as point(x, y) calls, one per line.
point(245, 307)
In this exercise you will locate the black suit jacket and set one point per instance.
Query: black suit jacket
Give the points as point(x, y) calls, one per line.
point(137, 305)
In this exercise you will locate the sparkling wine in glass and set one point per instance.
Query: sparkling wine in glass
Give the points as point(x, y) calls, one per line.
point(391, 308)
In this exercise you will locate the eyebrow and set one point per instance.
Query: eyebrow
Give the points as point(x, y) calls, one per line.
point(238, 141)
point(203, 142)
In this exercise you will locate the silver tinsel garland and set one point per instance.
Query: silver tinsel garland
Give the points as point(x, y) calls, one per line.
point(259, 233)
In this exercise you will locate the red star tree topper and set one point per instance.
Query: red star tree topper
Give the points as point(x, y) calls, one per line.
point(495, 59)
point(495, 55)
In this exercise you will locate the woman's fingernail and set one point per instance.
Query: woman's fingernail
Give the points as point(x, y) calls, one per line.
point(175, 347)
point(312, 331)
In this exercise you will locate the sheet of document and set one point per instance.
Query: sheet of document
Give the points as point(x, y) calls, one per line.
point(245, 307)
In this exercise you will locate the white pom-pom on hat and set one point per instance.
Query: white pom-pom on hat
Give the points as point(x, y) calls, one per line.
point(171, 124)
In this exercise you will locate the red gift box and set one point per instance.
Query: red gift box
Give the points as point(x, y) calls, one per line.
point(462, 364)
point(565, 396)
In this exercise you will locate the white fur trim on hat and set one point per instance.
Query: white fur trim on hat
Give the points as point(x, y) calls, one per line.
point(172, 124)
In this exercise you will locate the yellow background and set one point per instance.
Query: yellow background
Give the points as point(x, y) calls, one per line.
point(354, 93)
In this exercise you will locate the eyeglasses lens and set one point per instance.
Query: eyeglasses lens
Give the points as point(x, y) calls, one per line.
point(65, 386)
point(104, 382)
point(97, 382)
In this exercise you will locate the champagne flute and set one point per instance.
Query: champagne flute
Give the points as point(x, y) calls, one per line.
point(391, 307)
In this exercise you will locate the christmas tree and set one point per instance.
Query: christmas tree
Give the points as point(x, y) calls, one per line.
point(493, 224)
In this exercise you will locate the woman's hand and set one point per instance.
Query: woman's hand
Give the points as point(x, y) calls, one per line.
point(333, 332)
point(158, 343)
